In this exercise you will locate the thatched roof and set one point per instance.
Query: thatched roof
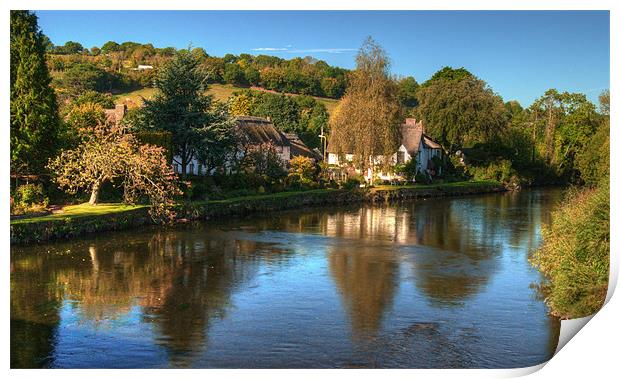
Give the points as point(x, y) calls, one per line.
point(258, 130)
point(411, 132)
point(299, 148)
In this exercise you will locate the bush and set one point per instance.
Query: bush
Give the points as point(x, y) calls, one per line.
point(29, 194)
point(28, 198)
point(407, 170)
point(501, 171)
point(575, 253)
point(422, 178)
point(352, 183)
point(303, 167)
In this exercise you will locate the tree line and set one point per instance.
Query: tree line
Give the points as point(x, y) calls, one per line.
point(306, 76)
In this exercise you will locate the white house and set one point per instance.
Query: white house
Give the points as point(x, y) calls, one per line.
point(142, 67)
point(413, 143)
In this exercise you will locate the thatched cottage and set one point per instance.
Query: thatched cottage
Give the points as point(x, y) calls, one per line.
point(413, 144)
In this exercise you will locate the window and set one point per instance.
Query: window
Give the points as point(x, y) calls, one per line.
point(176, 169)
point(400, 157)
point(191, 168)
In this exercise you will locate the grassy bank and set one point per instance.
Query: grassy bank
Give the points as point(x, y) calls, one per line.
point(575, 254)
point(82, 219)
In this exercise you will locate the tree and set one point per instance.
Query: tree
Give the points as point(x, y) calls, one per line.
point(84, 117)
point(252, 76)
point(241, 104)
point(283, 111)
point(367, 120)
point(407, 88)
point(110, 154)
point(265, 161)
point(110, 47)
point(303, 168)
point(458, 109)
point(83, 77)
point(218, 140)
point(182, 108)
point(34, 111)
point(564, 123)
point(70, 47)
point(449, 73)
point(234, 75)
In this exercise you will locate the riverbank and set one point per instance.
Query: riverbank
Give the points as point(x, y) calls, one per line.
point(84, 219)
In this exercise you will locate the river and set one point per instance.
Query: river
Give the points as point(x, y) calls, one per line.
point(436, 283)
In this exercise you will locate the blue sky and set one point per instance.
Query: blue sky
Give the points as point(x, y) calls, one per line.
point(520, 54)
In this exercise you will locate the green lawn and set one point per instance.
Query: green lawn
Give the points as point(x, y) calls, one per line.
point(81, 210)
point(220, 92)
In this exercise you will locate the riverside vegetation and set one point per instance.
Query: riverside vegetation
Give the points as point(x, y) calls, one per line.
point(59, 93)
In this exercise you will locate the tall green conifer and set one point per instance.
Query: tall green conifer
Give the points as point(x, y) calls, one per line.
point(34, 112)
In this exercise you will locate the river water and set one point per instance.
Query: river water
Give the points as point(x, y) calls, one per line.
point(424, 284)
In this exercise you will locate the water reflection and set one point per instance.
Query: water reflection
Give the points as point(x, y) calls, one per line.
point(403, 276)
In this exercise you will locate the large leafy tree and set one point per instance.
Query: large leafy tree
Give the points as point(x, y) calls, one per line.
point(563, 124)
point(459, 109)
point(84, 77)
point(182, 108)
point(366, 122)
point(109, 154)
point(407, 88)
point(34, 111)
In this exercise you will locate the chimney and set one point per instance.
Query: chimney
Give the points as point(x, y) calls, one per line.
point(410, 121)
point(119, 111)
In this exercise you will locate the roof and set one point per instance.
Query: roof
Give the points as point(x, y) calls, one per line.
point(259, 130)
point(411, 132)
point(430, 143)
point(299, 148)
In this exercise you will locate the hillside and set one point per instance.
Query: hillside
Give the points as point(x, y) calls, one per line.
point(220, 92)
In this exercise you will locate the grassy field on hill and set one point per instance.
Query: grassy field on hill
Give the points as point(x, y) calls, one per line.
point(220, 92)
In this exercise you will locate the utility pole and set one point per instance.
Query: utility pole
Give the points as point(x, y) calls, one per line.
point(323, 142)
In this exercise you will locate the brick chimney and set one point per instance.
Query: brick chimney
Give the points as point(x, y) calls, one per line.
point(119, 111)
point(410, 121)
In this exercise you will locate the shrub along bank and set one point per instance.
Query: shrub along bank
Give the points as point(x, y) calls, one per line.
point(575, 253)
point(84, 219)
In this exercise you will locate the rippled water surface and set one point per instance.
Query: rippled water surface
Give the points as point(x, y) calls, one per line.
point(432, 283)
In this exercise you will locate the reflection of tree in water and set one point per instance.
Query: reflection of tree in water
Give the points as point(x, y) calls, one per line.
point(204, 274)
point(366, 273)
point(34, 312)
point(180, 280)
point(471, 234)
point(367, 282)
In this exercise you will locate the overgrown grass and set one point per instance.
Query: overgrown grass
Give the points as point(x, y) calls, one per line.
point(575, 253)
point(81, 210)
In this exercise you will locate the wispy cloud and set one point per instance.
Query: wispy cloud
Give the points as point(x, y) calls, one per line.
point(289, 49)
point(332, 50)
point(270, 49)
